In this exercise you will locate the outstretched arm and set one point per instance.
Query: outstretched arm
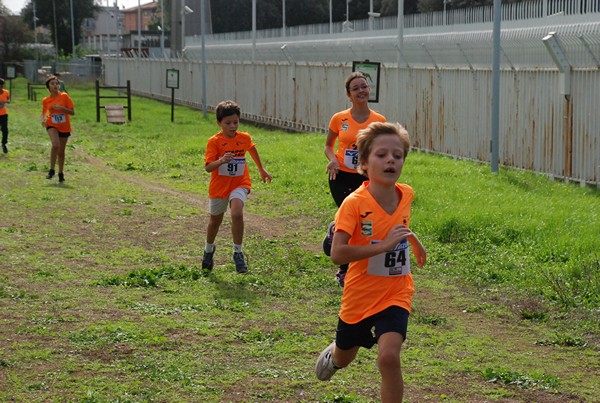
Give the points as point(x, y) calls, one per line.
point(333, 166)
point(265, 176)
point(418, 250)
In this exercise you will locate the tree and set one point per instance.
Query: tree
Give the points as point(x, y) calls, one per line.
point(13, 35)
point(56, 14)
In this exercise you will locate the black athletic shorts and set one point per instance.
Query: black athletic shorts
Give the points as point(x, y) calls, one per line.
point(366, 332)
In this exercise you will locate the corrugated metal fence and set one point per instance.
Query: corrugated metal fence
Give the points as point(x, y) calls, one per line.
point(446, 107)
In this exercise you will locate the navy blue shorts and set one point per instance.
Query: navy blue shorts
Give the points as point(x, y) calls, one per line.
point(366, 332)
point(60, 134)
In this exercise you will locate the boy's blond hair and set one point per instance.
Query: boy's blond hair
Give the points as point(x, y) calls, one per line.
point(365, 138)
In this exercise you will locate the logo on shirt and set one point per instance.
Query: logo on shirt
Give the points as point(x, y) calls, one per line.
point(345, 126)
point(366, 227)
point(366, 214)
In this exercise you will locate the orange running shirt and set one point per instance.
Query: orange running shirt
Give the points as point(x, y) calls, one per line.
point(347, 129)
point(4, 98)
point(58, 119)
point(366, 222)
point(228, 177)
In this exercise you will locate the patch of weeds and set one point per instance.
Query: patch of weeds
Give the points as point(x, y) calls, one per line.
point(537, 316)
point(4, 363)
point(258, 336)
point(170, 373)
point(431, 320)
point(235, 307)
point(90, 397)
point(128, 200)
point(50, 320)
point(126, 213)
point(129, 167)
point(37, 386)
point(340, 398)
point(23, 295)
point(115, 333)
point(477, 308)
point(157, 310)
point(10, 230)
point(564, 341)
point(452, 231)
point(536, 381)
point(133, 200)
point(90, 221)
point(150, 278)
point(44, 273)
point(576, 284)
point(32, 167)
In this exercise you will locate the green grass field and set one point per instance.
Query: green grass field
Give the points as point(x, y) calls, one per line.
point(102, 298)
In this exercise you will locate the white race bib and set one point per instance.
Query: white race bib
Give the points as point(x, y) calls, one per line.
point(392, 263)
point(58, 118)
point(351, 159)
point(235, 167)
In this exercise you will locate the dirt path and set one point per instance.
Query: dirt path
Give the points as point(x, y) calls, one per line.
point(449, 303)
point(268, 226)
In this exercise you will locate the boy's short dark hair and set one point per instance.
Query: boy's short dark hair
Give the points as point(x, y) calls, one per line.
point(227, 108)
point(50, 78)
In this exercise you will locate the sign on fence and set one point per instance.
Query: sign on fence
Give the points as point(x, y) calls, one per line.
point(371, 71)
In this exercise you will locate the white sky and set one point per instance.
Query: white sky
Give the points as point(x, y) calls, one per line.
point(16, 5)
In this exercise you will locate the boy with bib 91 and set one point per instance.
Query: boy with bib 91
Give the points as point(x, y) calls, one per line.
point(225, 159)
point(371, 233)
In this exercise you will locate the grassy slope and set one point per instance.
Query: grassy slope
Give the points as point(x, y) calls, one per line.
point(101, 298)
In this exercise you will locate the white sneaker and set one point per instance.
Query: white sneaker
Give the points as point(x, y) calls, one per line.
point(325, 368)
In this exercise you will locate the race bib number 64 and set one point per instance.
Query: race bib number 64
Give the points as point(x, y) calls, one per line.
point(391, 263)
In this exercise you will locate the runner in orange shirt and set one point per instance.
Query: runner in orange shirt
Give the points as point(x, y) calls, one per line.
point(4, 99)
point(372, 235)
point(225, 159)
point(341, 168)
point(56, 111)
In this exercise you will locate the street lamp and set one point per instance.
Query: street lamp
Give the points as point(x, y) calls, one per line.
point(72, 31)
point(139, 27)
point(162, 31)
point(115, 15)
point(372, 15)
point(184, 11)
point(35, 20)
point(347, 25)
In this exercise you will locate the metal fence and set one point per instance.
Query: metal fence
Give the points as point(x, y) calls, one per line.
point(436, 84)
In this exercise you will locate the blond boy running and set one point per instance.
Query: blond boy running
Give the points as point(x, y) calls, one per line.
point(372, 234)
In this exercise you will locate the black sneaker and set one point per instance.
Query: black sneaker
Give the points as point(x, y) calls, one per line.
point(4, 149)
point(340, 277)
point(207, 260)
point(61, 177)
point(50, 174)
point(328, 238)
point(240, 263)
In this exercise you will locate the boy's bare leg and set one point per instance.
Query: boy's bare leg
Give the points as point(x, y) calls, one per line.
point(214, 223)
point(388, 362)
point(237, 221)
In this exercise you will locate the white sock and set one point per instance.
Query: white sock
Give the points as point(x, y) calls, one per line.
point(209, 247)
point(237, 248)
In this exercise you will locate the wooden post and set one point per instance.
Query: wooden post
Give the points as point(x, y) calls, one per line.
point(129, 100)
point(97, 100)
